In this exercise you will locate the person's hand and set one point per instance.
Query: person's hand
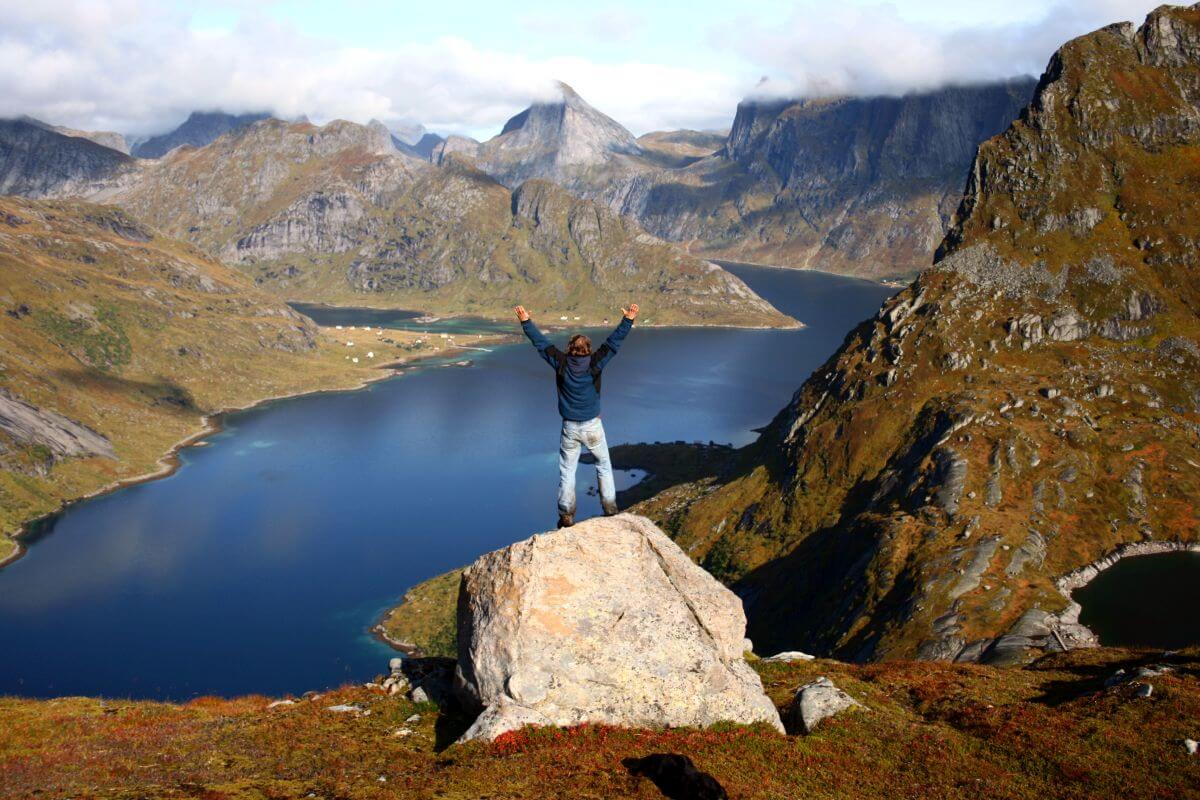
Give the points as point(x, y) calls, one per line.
point(522, 314)
point(631, 312)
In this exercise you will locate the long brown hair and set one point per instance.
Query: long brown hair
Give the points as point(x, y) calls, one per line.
point(579, 345)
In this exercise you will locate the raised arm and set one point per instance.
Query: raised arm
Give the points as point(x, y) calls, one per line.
point(613, 343)
point(545, 349)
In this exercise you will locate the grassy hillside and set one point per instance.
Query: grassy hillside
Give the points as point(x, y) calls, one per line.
point(930, 731)
point(116, 341)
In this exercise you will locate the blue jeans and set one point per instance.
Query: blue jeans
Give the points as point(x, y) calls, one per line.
point(589, 434)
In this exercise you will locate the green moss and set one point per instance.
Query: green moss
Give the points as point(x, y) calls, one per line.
point(101, 343)
point(426, 619)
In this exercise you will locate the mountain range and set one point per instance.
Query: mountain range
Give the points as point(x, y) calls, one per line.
point(200, 128)
point(335, 213)
point(855, 185)
point(1027, 406)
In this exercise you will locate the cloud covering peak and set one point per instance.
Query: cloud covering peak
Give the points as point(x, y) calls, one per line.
point(140, 66)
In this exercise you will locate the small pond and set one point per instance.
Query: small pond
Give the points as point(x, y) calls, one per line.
point(1145, 601)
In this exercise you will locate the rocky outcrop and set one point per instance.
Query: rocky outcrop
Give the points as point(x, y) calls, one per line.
point(199, 129)
point(607, 622)
point(61, 437)
point(816, 702)
point(1027, 406)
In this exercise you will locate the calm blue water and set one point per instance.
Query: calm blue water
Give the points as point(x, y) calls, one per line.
point(260, 565)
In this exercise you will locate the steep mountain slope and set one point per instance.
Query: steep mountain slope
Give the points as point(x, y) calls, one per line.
point(36, 160)
point(334, 213)
point(1027, 406)
point(565, 141)
point(115, 341)
point(200, 128)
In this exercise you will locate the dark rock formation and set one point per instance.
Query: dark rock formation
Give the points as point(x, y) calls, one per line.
point(36, 161)
point(200, 128)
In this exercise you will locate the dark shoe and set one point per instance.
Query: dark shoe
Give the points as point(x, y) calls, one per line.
point(566, 520)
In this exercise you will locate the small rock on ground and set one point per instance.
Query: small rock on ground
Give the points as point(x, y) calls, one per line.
point(818, 701)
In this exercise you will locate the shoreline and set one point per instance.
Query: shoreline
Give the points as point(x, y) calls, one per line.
point(169, 462)
point(891, 283)
point(407, 648)
point(800, 324)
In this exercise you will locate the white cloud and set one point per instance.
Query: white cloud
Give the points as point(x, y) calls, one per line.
point(136, 66)
point(147, 70)
point(876, 50)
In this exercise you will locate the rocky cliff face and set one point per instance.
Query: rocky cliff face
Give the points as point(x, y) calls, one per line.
point(1026, 406)
point(37, 161)
point(862, 186)
point(200, 128)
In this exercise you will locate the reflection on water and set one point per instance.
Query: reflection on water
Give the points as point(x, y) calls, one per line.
point(1145, 601)
point(259, 566)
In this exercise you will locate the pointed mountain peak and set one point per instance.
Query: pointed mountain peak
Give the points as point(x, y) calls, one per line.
point(568, 93)
point(549, 136)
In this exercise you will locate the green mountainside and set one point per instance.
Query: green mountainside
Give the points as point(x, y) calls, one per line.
point(115, 341)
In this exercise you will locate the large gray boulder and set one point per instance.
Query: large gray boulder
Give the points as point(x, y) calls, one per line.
point(606, 622)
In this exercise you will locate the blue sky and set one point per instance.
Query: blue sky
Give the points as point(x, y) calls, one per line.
point(138, 66)
point(677, 31)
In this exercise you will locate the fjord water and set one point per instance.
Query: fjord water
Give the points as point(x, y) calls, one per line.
point(261, 564)
point(1145, 601)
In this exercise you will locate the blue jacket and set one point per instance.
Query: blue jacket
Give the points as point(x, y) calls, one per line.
point(578, 376)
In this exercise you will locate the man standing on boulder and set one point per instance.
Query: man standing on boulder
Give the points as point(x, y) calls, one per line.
point(578, 378)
